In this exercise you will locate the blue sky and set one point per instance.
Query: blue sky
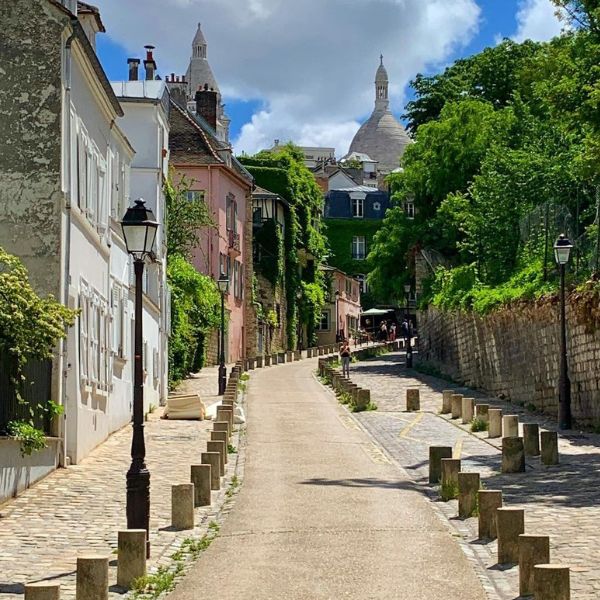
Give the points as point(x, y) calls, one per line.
point(325, 103)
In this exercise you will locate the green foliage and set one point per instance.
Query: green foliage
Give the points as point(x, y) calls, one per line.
point(29, 437)
point(478, 424)
point(185, 218)
point(195, 302)
point(271, 264)
point(449, 491)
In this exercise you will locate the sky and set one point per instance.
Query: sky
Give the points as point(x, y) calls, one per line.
point(303, 70)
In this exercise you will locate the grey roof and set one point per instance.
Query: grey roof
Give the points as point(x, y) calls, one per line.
point(358, 188)
point(199, 38)
point(153, 90)
point(199, 72)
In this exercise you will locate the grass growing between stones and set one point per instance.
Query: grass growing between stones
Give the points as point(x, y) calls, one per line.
point(478, 424)
point(244, 377)
point(370, 406)
point(449, 491)
point(235, 483)
point(231, 449)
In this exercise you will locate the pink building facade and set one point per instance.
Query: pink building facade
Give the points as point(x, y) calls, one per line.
point(340, 318)
point(212, 173)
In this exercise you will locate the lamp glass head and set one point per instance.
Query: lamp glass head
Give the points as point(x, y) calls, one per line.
point(562, 249)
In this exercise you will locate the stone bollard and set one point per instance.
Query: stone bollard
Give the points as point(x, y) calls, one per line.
point(222, 426)
point(551, 582)
point(298, 355)
point(449, 479)
point(436, 453)
point(225, 413)
point(131, 562)
point(309, 353)
point(267, 360)
point(182, 506)
point(447, 401)
point(259, 362)
point(289, 357)
point(510, 524)
point(214, 460)
point(363, 399)
point(221, 448)
point(251, 364)
point(513, 455)
point(320, 351)
point(413, 402)
point(219, 436)
point(495, 423)
point(281, 358)
point(467, 410)
point(510, 426)
point(274, 359)
point(489, 502)
point(533, 550)
point(531, 439)
point(468, 486)
point(201, 478)
point(549, 447)
point(42, 590)
point(456, 403)
point(92, 577)
point(482, 412)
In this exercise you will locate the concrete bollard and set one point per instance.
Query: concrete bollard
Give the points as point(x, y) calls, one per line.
point(495, 423)
point(298, 355)
point(449, 479)
point(281, 358)
point(456, 403)
point(413, 401)
point(533, 550)
point(320, 351)
point(510, 426)
point(131, 562)
point(259, 362)
point(489, 502)
point(551, 582)
point(549, 449)
point(289, 357)
point(182, 506)
point(222, 426)
point(267, 360)
point(274, 359)
point(531, 439)
point(513, 455)
point(510, 524)
point(42, 590)
point(219, 436)
point(221, 448)
point(482, 412)
point(214, 460)
point(363, 399)
point(251, 364)
point(200, 476)
point(309, 353)
point(468, 486)
point(225, 413)
point(467, 410)
point(92, 577)
point(436, 453)
point(447, 401)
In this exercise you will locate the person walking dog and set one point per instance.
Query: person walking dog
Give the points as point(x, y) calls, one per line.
point(345, 356)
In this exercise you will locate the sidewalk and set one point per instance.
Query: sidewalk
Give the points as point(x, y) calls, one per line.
point(322, 513)
point(562, 501)
point(81, 509)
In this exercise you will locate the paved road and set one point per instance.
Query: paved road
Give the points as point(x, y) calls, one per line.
point(322, 513)
point(562, 501)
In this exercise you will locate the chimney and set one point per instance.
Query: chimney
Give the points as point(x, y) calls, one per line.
point(134, 64)
point(206, 106)
point(149, 63)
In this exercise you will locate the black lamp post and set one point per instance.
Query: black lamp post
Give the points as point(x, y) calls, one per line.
point(223, 284)
point(409, 357)
point(337, 316)
point(139, 230)
point(562, 250)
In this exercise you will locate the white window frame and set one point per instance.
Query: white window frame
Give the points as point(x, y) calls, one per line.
point(358, 208)
point(358, 242)
point(409, 209)
point(325, 313)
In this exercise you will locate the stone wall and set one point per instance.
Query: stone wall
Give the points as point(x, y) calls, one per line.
point(514, 354)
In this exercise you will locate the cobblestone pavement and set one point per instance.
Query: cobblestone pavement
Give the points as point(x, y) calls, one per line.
point(81, 508)
point(561, 501)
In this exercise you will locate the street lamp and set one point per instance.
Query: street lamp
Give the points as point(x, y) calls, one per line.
point(139, 230)
point(562, 250)
point(223, 285)
point(337, 316)
point(409, 357)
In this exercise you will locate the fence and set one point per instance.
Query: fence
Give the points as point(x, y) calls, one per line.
point(35, 393)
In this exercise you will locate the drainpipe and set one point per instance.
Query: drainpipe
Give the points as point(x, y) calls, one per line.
point(63, 364)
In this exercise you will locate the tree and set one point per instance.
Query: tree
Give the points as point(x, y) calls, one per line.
point(581, 13)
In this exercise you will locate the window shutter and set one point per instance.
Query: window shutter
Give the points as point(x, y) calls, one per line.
point(83, 336)
point(155, 365)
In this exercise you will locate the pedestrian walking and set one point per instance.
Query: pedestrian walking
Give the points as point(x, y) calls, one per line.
point(393, 332)
point(383, 332)
point(345, 356)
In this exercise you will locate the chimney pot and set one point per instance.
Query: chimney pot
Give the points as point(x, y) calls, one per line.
point(134, 64)
point(149, 63)
point(206, 107)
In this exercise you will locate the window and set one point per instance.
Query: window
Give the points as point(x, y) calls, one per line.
point(377, 206)
point(362, 283)
point(358, 208)
point(358, 247)
point(325, 323)
point(194, 195)
point(231, 213)
point(348, 287)
point(409, 209)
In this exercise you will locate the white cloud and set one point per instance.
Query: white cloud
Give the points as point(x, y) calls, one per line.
point(311, 62)
point(537, 21)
